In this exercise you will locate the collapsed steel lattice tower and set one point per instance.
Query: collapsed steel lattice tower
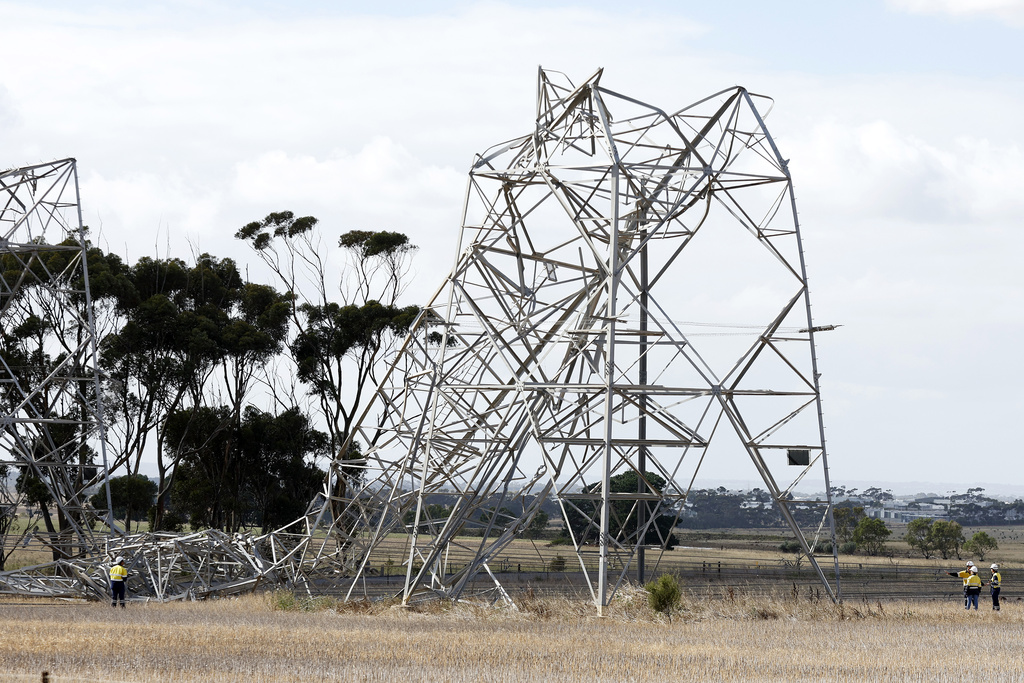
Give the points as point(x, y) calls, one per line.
point(559, 360)
point(562, 352)
point(51, 417)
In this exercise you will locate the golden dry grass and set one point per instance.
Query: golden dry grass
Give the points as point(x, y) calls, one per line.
point(749, 638)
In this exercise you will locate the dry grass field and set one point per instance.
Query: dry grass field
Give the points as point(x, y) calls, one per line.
point(753, 616)
point(268, 637)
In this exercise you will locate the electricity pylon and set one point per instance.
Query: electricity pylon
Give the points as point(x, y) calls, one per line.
point(564, 358)
point(52, 440)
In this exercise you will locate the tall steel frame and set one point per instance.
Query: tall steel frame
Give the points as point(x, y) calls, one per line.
point(52, 440)
point(572, 354)
point(564, 350)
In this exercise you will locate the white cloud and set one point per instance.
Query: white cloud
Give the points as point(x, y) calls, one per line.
point(189, 123)
point(143, 213)
point(992, 176)
point(377, 179)
point(8, 114)
point(380, 187)
point(203, 99)
point(1011, 11)
point(876, 170)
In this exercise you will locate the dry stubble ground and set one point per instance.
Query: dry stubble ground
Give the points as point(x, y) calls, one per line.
point(748, 638)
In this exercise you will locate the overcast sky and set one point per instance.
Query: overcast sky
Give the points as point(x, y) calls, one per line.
point(902, 120)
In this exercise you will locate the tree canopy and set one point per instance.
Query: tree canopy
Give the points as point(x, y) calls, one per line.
point(238, 388)
point(929, 536)
point(871, 534)
point(981, 544)
point(582, 514)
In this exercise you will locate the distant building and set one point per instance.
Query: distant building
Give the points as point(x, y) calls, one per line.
point(901, 512)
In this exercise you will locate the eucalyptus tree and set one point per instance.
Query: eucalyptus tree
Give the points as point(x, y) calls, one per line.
point(202, 488)
point(8, 516)
point(150, 362)
point(260, 474)
point(342, 328)
point(131, 496)
point(195, 337)
point(280, 453)
point(582, 514)
point(160, 360)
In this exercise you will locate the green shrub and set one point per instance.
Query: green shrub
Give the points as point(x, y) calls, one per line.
point(663, 594)
point(819, 548)
point(848, 548)
point(286, 601)
point(557, 564)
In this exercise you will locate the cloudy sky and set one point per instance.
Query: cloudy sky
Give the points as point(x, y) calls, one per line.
point(902, 120)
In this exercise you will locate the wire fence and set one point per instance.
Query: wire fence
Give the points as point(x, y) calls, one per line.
point(710, 576)
point(556, 570)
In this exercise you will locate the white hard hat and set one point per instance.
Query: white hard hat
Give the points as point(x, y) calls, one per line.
point(974, 570)
point(119, 560)
point(969, 563)
point(994, 566)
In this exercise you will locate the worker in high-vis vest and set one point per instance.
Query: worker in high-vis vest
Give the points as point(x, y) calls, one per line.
point(965, 574)
point(118, 575)
point(973, 588)
point(994, 584)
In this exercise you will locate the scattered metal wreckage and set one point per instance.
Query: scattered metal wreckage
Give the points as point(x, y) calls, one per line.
point(557, 362)
point(161, 566)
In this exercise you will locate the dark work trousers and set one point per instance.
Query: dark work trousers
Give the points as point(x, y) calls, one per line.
point(995, 598)
point(116, 592)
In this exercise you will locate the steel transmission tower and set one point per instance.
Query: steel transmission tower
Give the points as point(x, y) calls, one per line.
point(569, 355)
point(578, 352)
point(52, 441)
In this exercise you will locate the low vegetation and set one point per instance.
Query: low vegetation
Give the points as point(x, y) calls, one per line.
point(745, 636)
point(663, 595)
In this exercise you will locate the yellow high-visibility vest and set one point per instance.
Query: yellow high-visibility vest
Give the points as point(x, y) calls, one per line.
point(118, 573)
point(973, 581)
point(996, 580)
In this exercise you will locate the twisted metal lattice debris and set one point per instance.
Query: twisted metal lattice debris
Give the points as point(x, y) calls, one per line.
point(557, 355)
point(161, 566)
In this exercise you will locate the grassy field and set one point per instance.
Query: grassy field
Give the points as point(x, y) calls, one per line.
point(749, 613)
point(270, 637)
